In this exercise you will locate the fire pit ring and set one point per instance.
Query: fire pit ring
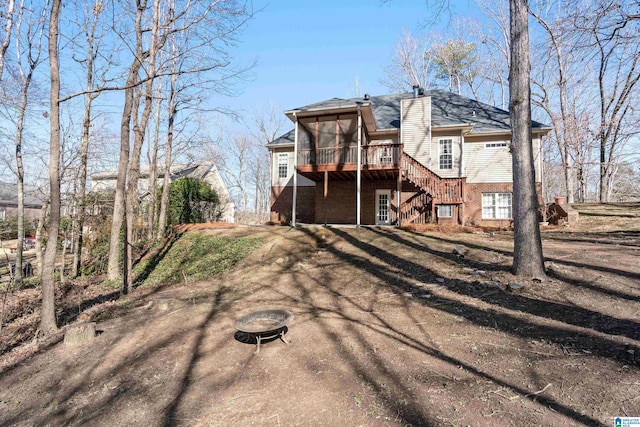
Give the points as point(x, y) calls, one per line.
point(265, 324)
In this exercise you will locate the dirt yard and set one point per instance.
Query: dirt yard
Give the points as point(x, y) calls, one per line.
point(391, 328)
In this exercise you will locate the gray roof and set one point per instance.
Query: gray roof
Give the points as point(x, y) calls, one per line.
point(193, 170)
point(447, 109)
point(9, 195)
point(286, 139)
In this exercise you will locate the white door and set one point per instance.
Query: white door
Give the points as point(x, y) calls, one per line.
point(383, 207)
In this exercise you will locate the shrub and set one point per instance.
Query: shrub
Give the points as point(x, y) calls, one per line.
point(9, 228)
point(192, 201)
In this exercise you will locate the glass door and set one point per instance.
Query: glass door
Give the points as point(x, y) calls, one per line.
point(383, 207)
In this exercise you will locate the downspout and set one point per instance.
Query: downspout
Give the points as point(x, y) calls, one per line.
point(295, 173)
point(359, 171)
point(461, 175)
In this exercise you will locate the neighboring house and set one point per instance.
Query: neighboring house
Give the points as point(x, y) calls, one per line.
point(416, 157)
point(205, 171)
point(9, 202)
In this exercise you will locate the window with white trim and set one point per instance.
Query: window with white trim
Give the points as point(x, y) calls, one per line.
point(446, 154)
point(445, 211)
point(283, 165)
point(496, 206)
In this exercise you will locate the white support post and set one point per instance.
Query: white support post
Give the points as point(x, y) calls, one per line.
point(462, 165)
point(295, 173)
point(399, 195)
point(359, 171)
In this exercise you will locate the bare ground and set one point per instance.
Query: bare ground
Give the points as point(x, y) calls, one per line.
point(390, 328)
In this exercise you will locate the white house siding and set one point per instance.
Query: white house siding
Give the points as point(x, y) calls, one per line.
point(276, 181)
point(491, 165)
point(415, 127)
point(434, 163)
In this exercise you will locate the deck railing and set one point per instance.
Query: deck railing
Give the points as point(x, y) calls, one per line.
point(443, 190)
point(374, 155)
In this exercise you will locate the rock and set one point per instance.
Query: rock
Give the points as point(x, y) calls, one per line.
point(281, 261)
point(515, 286)
point(493, 285)
point(426, 296)
point(460, 251)
point(79, 334)
point(163, 304)
point(440, 280)
point(468, 269)
point(479, 272)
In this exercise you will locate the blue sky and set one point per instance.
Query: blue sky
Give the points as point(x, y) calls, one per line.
point(310, 51)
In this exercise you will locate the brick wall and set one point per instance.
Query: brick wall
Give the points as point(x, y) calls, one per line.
point(340, 204)
point(282, 202)
point(473, 206)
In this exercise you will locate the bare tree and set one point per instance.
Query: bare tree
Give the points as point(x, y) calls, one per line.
point(410, 65)
point(113, 268)
point(28, 44)
point(267, 125)
point(612, 33)
point(209, 25)
point(139, 131)
point(172, 110)
point(234, 160)
point(527, 255)
point(6, 39)
point(494, 37)
point(48, 318)
point(93, 48)
point(152, 158)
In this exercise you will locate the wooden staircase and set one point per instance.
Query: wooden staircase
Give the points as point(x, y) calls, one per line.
point(432, 189)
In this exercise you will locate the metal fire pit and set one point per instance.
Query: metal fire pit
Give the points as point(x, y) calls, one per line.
point(265, 324)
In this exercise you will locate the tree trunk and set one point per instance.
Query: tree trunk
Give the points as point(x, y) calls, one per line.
point(139, 131)
point(20, 173)
point(164, 201)
point(113, 266)
point(153, 173)
point(38, 244)
point(604, 188)
point(48, 315)
point(84, 151)
point(527, 255)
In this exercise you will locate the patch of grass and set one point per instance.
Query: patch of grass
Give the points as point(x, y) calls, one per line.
point(194, 257)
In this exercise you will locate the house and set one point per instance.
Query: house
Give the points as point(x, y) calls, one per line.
point(205, 171)
point(9, 202)
point(418, 157)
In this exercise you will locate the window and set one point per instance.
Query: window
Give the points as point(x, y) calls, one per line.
point(283, 165)
point(495, 144)
point(386, 156)
point(3, 214)
point(445, 211)
point(496, 205)
point(446, 154)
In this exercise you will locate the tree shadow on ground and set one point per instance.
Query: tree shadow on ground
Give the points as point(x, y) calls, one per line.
point(555, 260)
point(157, 258)
point(378, 260)
point(510, 324)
